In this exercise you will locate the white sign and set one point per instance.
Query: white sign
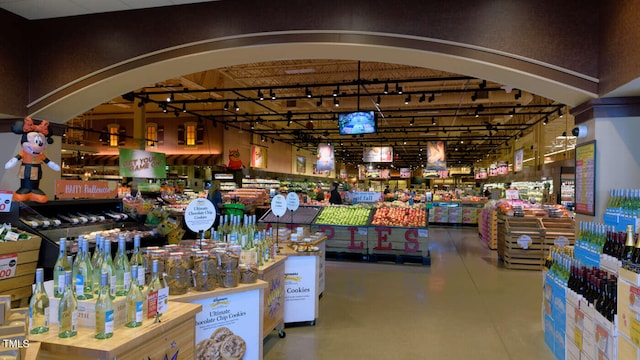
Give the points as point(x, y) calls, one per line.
point(8, 264)
point(363, 231)
point(278, 205)
point(200, 215)
point(300, 292)
point(512, 194)
point(423, 233)
point(236, 315)
point(5, 200)
point(524, 241)
point(293, 201)
point(364, 197)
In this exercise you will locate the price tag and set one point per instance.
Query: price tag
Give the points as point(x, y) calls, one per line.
point(561, 241)
point(293, 201)
point(5, 200)
point(524, 241)
point(163, 300)
point(278, 205)
point(423, 233)
point(8, 264)
point(11, 236)
point(363, 231)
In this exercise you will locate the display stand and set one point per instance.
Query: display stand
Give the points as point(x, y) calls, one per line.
point(174, 334)
point(301, 287)
point(273, 274)
point(237, 311)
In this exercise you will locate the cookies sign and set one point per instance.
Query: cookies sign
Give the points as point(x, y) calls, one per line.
point(228, 327)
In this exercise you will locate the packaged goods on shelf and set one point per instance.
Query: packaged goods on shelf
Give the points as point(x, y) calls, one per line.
point(249, 197)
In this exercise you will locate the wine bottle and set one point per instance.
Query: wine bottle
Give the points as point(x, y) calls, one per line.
point(83, 272)
point(104, 309)
point(68, 310)
point(629, 245)
point(134, 300)
point(97, 263)
point(123, 269)
point(39, 306)
point(107, 265)
point(155, 284)
point(62, 264)
point(137, 260)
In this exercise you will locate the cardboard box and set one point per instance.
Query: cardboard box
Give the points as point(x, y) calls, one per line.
point(87, 311)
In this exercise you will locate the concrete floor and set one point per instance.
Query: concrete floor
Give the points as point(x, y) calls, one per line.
point(464, 306)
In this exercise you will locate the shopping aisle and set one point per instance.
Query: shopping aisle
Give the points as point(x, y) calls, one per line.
point(462, 307)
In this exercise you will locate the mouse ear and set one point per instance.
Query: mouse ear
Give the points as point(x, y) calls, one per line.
point(16, 128)
point(49, 140)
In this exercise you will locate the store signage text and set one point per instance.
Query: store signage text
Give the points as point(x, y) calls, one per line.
point(78, 189)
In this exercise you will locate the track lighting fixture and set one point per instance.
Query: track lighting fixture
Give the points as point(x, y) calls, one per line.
point(272, 94)
point(260, 95)
point(319, 103)
point(545, 121)
point(225, 107)
point(308, 92)
point(273, 141)
point(386, 89)
point(251, 125)
point(413, 121)
point(336, 91)
point(560, 114)
point(474, 97)
point(289, 123)
point(170, 98)
point(235, 106)
point(518, 95)
point(258, 119)
point(433, 121)
point(184, 107)
point(422, 98)
point(176, 113)
point(432, 97)
point(476, 113)
point(336, 102)
point(398, 89)
point(378, 101)
point(483, 84)
point(407, 100)
point(404, 142)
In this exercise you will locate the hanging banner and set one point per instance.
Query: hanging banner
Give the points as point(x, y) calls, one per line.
point(378, 154)
point(142, 164)
point(518, 163)
point(405, 173)
point(325, 158)
point(92, 189)
point(301, 164)
point(493, 169)
point(258, 156)
point(436, 158)
point(480, 173)
point(503, 168)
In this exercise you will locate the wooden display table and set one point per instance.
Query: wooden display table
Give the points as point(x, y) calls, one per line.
point(228, 315)
point(175, 333)
point(273, 274)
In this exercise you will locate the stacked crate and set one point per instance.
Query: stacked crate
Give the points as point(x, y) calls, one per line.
point(514, 251)
point(554, 228)
point(488, 227)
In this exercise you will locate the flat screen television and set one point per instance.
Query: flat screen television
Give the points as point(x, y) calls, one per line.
point(356, 123)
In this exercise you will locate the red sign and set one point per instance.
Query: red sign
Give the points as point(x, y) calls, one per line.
point(78, 189)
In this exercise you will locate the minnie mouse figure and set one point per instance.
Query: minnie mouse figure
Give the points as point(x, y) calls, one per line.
point(35, 139)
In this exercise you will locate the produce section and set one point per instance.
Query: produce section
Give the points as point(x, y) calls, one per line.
point(411, 217)
point(344, 215)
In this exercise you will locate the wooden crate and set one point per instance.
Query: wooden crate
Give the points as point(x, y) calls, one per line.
point(19, 286)
point(488, 228)
point(511, 229)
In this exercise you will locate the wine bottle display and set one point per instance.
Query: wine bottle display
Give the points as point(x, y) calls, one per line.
point(83, 272)
point(104, 310)
point(136, 259)
point(39, 306)
point(107, 265)
point(68, 311)
point(61, 266)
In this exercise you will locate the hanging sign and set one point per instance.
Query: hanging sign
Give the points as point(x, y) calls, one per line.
point(142, 164)
point(278, 205)
point(293, 201)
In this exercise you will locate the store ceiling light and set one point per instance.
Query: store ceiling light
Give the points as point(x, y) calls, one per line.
point(272, 94)
point(413, 121)
point(225, 107)
point(319, 102)
point(386, 89)
point(235, 106)
point(184, 107)
point(433, 121)
point(474, 97)
point(378, 101)
point(308, 92)
point(545, 121)
point(170, 98)
point(432, 97)
point(407, 100)
point(398, 89)
point(260, 95)
point(336, 91)
point(518, 95)
point(336, 102)
point(422, 98)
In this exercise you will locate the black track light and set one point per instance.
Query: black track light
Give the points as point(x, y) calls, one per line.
point(545, 121)
point(226, 106)
point(407, 100)
point(235, 106)
point(272, 94)
point(336, 91)
point(386, 89)
point(413, 121)
point(260, 95)
point(518, 95)
point(184, 107)
point(170, 98)
point(319, 103)
point(378, 100)
point(252, 125)
point(422, 98)
point(560, 114)
point(483, 84)
point(336, 102)
point(308, 92)
point(398, 89)
point(432, 97)
point(433, 121)
point(474, 97)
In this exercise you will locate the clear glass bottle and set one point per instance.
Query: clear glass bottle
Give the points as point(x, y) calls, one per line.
point(135, 300)
point(104, 309)
point(61, 266)
point(97, 265)
point(123, 269)
point(137, 259)
point(39, 306)
point(107, 265)
point(83, 272)
point(68, 310)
